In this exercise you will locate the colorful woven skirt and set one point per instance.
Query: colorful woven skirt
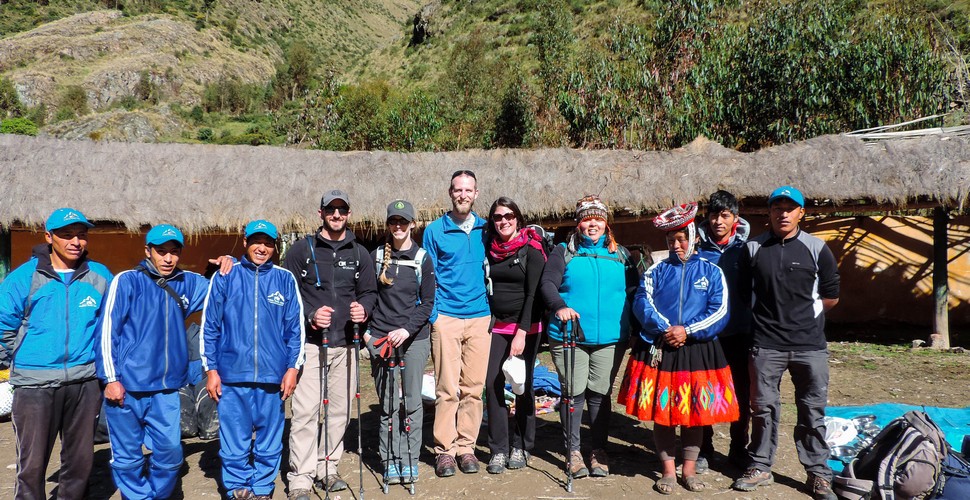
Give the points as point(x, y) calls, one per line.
point(692, 386)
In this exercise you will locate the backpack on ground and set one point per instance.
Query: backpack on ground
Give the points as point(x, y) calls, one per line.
point(904, 461)
point(954, 481)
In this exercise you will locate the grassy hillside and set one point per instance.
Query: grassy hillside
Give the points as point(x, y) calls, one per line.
point(452, 74)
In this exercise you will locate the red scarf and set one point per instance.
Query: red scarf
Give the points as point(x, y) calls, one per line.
point(501, 250)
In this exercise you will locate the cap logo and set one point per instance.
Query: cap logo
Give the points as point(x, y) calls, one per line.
point(787, 192)
point(399, 205)
point(72, 216)
point(260, 226)
point(335, 192)
point(169, 232)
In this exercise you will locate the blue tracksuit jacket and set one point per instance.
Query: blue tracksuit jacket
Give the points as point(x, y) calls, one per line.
point(143, 330)
point(252, 324)
point(56, 343)
point(692, 294)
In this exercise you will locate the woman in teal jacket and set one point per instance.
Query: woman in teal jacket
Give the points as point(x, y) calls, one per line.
point(588, 281)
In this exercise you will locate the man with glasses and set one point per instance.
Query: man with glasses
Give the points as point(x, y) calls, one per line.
point(338, 286)
point(459, 326)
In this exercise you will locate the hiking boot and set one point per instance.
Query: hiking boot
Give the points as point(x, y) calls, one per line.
point(599, 463)
point(392, 475)
point(445, 466)
point(496, 464)
point(409, 474)
point(332, 483)
point(519, 459)
point(468, 463)
point(701, 466)
point(821, 487)
point(298, 494)
point(578, 468)
point(241, 494)
point(752, 478)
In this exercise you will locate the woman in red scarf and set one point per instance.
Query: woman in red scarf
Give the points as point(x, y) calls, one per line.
point(516, 260)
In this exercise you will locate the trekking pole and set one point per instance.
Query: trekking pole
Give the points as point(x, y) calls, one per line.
point(406, 421)
point(325, 400)
point(389, 404)
point(568, 357)
point(360, 448)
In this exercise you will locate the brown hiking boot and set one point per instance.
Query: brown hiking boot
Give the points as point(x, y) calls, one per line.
point(752, 478)
point(599, 463)
point(821, 487)
point(578, 467)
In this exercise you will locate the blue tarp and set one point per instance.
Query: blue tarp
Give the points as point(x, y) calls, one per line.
point(954, 422)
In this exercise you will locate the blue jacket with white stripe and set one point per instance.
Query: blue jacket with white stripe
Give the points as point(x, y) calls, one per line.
point(252, 324)
point(48, 323)
point(692, 294)
point(143, 341)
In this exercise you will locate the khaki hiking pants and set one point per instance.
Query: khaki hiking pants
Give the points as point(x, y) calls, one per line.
point(307, 461)
point(459, 352)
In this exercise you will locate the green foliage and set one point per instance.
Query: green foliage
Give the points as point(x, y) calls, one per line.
point(516, 119)
point(468, 92)
point(205, 134)
point(295, 77)
point(231, 96)
point(20, 126)
point(73, 103)
point(147, 90)
point(10, 105)
point(552, 39)
point(414, 122)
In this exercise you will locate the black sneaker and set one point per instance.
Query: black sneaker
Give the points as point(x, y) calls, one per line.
point(752, 478)
point(519, 459)
point(445, 466)
point(821, 487)
point(496, 464)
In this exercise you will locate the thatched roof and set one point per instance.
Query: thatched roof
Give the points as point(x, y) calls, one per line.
point(203, 187)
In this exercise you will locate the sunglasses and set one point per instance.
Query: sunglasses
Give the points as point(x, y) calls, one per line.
point(459, 173)
point(509, 216)
point(330, 210)
point(397, 221)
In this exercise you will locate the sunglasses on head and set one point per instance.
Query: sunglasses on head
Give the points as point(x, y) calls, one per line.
point(509, 216)
point(330, 209)
point(459, 173)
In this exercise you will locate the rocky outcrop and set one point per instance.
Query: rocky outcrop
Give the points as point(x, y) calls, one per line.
point(117, 125)
point(424, 25)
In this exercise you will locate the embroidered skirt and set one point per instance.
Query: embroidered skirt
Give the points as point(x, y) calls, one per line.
point(692, 386)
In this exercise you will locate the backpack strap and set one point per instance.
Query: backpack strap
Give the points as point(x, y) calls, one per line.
point(163, 284)
point(417, 263)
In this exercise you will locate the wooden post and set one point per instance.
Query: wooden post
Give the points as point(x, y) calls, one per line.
point(5, 247)
point(940, 338)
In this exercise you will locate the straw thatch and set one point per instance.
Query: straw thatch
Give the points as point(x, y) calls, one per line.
point(209, 188)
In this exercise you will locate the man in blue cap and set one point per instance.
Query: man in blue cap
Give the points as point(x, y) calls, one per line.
point(790, 279)
point(49, 308)
point(143, 360)
point(252, 350)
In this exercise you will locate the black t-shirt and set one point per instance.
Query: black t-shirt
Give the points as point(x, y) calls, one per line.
point(514, 289)
point(397, 304)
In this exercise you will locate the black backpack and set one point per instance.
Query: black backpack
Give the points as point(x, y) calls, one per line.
point(903, 461)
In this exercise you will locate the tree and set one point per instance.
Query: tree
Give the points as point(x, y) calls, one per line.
point(10, 105)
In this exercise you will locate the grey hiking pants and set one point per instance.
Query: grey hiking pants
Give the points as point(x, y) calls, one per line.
point(810, 374)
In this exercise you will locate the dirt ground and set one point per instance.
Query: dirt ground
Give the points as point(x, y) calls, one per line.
point(861, 373)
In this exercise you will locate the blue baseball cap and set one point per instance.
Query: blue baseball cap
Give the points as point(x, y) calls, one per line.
point(261, 226)
point(789, 193)
point(63, 217)
point(164, 233)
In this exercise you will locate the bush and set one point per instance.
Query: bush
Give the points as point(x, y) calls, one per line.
point(19, 126)
point(205, 134)
point(10, 105)
point(74, 101)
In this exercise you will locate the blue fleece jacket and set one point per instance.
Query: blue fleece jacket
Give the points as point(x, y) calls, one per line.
point(594, 284)
point(692, 294)
point(252, 324)
point(143, 341)
point(56, 344)
point(459, 268)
